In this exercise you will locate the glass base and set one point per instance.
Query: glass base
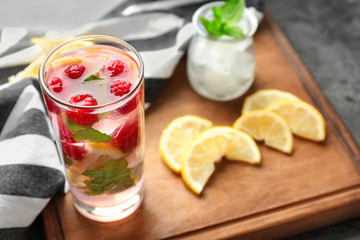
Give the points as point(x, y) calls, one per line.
point(110, 214)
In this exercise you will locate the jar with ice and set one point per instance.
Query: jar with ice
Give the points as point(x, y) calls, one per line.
point(221, 56)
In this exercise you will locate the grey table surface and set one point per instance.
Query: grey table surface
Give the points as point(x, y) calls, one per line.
point(326, 36)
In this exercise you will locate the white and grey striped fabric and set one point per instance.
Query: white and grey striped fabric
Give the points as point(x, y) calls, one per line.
point(159, 37)
point(30, 169)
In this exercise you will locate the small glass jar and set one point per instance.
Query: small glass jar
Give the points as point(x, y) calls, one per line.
point(221, 69)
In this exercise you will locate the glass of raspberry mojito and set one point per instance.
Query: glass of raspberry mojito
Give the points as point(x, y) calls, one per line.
point(93, 87)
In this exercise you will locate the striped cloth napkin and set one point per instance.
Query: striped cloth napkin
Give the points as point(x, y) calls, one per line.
point(30, 169)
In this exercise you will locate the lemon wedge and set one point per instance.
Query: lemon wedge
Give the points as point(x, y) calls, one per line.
point(242, 146)
point(262, 98)
point(267, 126)
point(97, 154)
point(98, 148)
point(198, 160)
point(304, 120)
point(177, 135)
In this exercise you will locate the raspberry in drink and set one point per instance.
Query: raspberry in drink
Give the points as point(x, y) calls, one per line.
point(95, 100)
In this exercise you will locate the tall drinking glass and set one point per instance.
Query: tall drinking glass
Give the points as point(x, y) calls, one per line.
point(93, 87)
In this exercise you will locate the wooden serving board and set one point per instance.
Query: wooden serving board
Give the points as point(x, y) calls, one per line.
point(319, 184)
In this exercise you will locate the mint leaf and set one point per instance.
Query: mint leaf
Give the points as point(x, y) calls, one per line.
point(217, 14)
point(87, 133)
point(113, 174)
point(73, 127)
point(92, 77)
point(232, 30)
point(67, 160)
point(225, 18)
point(212, 27)
point(91, 135)
point(232, 11)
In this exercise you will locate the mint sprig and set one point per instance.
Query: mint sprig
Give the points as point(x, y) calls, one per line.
point(225, 18)
point(87, 133)
point(92, 77)
point(73, 127)
point(114, 174)
point(95, 76)
point(91, 135)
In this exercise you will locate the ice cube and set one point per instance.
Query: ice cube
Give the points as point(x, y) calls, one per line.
point(198, 52)
point(110, 122)
point(245, 65)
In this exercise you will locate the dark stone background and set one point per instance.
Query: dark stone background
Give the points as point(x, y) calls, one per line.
point(326, 36)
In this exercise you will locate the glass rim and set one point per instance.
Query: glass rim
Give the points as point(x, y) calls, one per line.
point(46, 90)
point(251, 18)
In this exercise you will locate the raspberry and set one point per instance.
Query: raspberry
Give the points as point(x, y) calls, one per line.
point(55, 84)
point(120, 87)
point(74, 151)
point(83, 100)
point(64, 132)
point(70, 147)
point(126, 137)
point(74, 71)
point(81, 116)
point(132, 104)
point(51, 106)
point(115, 67)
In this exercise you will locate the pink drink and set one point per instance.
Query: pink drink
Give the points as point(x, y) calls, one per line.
point(95, 101)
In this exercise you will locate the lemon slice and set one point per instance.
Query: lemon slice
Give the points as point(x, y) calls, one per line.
point(304, 120)
point(47, 44)
point(32, 70)
point(99, 148)
point(65, 60)
point(242, 147)
point(97, 154)
point(177, 135)
point(262, 98)
point(198, 160)
point(268, 126)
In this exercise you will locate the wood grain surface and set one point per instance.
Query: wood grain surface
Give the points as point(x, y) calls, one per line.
point(317, 185)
